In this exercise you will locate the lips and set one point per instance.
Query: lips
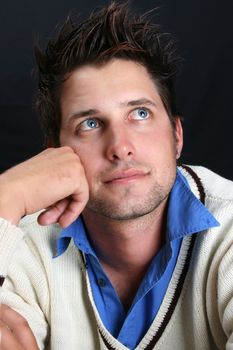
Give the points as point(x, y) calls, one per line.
point(127, 175)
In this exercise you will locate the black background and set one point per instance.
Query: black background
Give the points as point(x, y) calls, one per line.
point(204, 33)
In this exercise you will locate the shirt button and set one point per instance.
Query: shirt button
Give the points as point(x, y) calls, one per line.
point(101, 282)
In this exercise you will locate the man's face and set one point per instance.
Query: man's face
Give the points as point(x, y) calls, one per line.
point(114, 119)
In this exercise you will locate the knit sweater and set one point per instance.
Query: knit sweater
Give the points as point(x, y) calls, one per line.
point(55, 297)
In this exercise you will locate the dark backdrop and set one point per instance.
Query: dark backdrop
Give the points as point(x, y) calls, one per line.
point(204, 31)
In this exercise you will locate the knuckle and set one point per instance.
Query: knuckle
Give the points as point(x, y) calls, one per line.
point(66, 149)
point(20, 321)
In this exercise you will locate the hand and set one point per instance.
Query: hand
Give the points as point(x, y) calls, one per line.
point(53, 180)
point(15, 333)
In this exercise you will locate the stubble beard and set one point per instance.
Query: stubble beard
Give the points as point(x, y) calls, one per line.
point(131, 206)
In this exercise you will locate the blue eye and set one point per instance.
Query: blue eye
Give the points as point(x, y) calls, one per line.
point(89, 124)
point(140, 114)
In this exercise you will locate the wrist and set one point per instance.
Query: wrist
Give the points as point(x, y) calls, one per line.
point(9, 204)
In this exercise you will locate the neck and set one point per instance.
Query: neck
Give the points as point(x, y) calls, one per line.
point(119, 242)
point(125, 248)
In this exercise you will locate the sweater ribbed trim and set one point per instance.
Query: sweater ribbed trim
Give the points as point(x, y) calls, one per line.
point(197, 181)
point(174, 290)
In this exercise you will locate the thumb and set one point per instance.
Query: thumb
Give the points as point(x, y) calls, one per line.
point(52, 214)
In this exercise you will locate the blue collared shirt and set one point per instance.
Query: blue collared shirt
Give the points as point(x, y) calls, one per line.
point(186, 216)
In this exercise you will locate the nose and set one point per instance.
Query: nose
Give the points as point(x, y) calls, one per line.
point(119, 145)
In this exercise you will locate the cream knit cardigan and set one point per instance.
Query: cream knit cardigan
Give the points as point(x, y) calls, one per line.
point(54, 295)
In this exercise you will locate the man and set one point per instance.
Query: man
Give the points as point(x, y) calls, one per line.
point(125, 255)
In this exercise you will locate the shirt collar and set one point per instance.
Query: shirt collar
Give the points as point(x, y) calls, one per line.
point(186, 215)
point(77, 232)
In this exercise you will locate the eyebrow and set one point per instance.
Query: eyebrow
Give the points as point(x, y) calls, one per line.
point(91, 112)
point(80, 114)
point(139, 102)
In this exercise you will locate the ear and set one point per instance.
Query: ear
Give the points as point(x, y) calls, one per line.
point(178, 136)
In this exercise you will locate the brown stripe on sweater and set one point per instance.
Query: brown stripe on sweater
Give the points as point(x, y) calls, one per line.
point(198, 182)
point(108, 346)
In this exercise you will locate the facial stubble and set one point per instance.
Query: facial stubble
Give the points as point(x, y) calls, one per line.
point(129, 205)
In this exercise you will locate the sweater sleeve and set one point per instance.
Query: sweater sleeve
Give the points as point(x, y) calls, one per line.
point(219, 292)
point(25, 286)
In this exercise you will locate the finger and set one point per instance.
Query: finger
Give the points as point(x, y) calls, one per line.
point(64, 211)
point(73, 210)
point(52, 214)
point(21, 334)
point(8, 340)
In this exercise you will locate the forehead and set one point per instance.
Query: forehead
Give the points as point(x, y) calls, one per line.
point(99, 87)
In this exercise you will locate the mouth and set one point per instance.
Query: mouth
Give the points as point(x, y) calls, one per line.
point(125, 176)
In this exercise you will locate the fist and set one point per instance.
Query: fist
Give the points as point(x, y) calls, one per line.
point(15, 333)
point(53, 180)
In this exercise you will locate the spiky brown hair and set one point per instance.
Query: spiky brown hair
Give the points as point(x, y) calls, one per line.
point(110, 32)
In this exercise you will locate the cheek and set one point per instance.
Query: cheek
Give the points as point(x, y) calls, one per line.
point(160, 143)
point(90, 159)
point(87, 152)
point(83, 149)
